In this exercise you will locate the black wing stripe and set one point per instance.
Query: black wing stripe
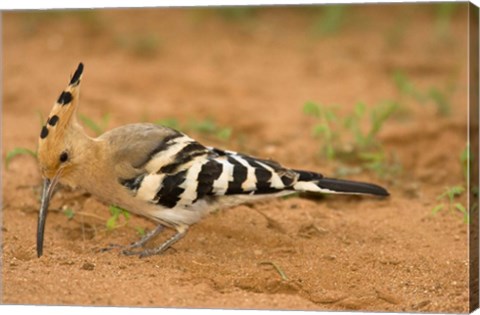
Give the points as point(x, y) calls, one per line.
point(185, 155)
point(162, 146)
point(239, 176)
point(209, 172)
point(263, 175)
point(133, 183)
point(169, 194)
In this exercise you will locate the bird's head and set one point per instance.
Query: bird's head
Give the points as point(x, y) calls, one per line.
point(56, 148)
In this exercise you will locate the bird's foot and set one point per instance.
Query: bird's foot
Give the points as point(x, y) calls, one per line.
point(158, 250)
point(140, 243)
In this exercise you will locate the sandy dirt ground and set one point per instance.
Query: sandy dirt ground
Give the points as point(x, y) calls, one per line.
point(251, 71)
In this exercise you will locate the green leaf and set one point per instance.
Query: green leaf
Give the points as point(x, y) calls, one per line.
point(114, 210)
point(16, 152)
point(462, 210)
point(126, 214)
point(460, 207)
point(312, 109)
point(319, 130)
point(69, 213)
point(111, 223)
point(451, 193)
point(224, 134)
point(330, 115)
point(437, 208)
point(456, 191)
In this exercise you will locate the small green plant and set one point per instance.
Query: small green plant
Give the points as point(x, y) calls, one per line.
point(17, 152)
point(330, 126)
point(350, 139)
point(69, 213)
point(115, 214)
point(97, 128)
point(440, 99)
point(450, 195)
point(324, 129)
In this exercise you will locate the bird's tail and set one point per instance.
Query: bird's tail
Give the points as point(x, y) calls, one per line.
point(314, 182)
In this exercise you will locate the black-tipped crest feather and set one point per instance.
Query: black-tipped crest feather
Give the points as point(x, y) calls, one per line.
point(76, 76)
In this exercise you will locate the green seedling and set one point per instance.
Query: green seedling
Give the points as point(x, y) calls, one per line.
point(69, 213)
point(433, 95)
point(347, 139)
point(324, 128)
point(450, 195)
point(97, 128)
point(115, 214)
point(330, 126)
point(17, 152)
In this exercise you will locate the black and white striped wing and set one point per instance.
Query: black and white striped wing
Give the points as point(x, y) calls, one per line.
point(180, 172)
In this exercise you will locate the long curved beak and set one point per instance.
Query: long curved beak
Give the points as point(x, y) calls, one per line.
point(48, 186)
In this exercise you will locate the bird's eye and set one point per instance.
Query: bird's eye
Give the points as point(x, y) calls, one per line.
point(63, 157)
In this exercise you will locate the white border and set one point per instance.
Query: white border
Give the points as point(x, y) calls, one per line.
point(50, 4)
point(54, 4)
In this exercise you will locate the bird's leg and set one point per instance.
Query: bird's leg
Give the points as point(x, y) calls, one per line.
point(160, 249)
point(148, 236)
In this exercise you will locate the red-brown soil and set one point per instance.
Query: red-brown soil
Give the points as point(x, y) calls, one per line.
point(252, 74)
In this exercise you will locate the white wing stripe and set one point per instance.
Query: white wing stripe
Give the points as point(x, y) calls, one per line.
point(275, 180)
point(151, 184)
point(166, 156)
point(220, 185)
point(251, 182)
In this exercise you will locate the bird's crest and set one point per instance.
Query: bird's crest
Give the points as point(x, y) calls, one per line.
point(64, 108)
point(61, 120)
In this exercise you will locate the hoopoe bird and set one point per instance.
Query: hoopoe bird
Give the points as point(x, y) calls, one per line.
point(161, 173)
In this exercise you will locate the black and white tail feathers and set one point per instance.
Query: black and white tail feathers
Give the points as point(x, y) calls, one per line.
point(314, 182)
